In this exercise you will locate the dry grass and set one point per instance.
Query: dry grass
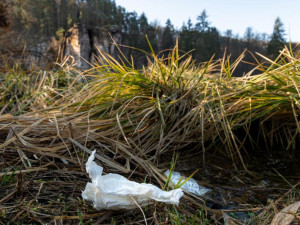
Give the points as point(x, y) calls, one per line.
point(50, 121)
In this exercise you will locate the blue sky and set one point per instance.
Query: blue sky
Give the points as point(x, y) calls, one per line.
point(235, 15)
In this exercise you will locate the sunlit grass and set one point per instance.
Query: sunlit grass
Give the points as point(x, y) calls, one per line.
point(25, 91)
point(137, 117)
point(171, 103)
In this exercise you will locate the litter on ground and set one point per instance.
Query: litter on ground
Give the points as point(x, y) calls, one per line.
point(190, 186)
point(113, 191)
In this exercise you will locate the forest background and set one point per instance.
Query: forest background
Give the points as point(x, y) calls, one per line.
point(36, 21)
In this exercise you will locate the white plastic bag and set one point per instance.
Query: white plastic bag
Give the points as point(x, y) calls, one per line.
point(190, 186)
point(113, 191)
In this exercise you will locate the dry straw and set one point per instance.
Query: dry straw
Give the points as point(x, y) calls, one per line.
point(137, 117)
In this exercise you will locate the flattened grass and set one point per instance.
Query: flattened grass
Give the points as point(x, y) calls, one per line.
point(173, 103)
point(166, 106)
point(135, 118)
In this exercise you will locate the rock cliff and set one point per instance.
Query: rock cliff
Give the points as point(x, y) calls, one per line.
point(83, 44)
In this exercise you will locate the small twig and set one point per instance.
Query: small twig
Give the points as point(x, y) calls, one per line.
point(8, 196)
point(103, 218)
point(140, 209)
point(24, 171)
point(242, 210)
point(77, 217)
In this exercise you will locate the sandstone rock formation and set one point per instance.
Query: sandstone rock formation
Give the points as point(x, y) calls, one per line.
point(41, 53)
point(77, 44)
point(83, 44)
point(80, 46)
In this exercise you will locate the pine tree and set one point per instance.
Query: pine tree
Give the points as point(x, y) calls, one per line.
point(168, 36)
point(143, 29)
point(249, 35)
point(189, 24)
point(277, 39)
point(143, 24)
point(202, 25)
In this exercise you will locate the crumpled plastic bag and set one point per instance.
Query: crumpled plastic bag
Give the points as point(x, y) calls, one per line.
point(113, 191)
point(190, 186)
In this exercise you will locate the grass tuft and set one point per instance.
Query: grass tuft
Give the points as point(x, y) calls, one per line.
point(136, 119)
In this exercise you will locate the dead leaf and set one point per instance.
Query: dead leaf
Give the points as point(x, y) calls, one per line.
point(287, 215)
